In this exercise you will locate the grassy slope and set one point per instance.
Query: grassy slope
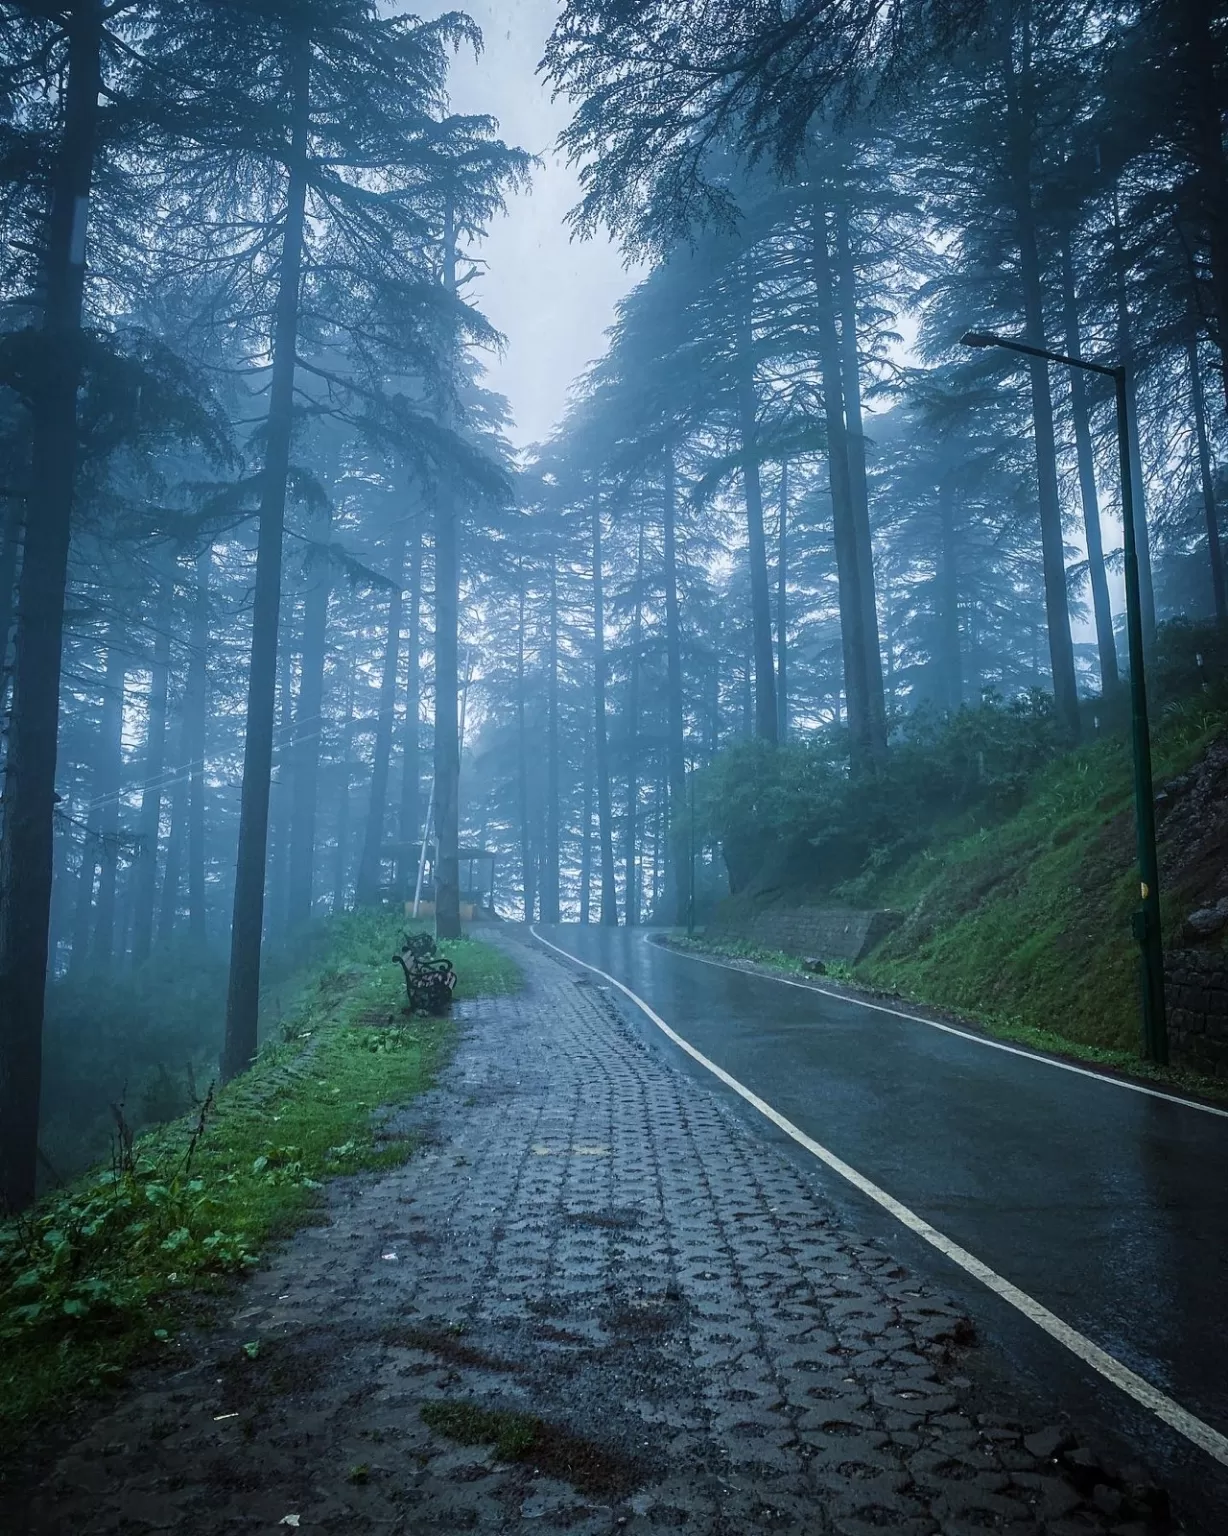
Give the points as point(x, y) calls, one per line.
point(102, 1271)
point(1027, 925)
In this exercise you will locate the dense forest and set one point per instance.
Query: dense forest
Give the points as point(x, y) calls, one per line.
point(288, 623)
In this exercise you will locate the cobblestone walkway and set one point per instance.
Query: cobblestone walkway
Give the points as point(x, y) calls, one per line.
point(681, 1334)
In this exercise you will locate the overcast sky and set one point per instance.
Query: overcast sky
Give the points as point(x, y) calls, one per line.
point(550, 295)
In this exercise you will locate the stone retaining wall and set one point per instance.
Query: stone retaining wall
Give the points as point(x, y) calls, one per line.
point(826, 933)
point(1196, 986)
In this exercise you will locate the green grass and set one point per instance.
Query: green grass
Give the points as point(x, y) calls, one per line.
point(997, 1026)
point(1029, 921)
point(101, 1273)
point(551, 1449)
point(1026, 926)
point(758, 954)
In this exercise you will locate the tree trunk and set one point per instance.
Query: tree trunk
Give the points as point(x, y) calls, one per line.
point(410, 830)
point(109, 784)
point(1106, 641)
point(760, 592)
point(550, 907)
point(1125, 352)
point(87, 872)
point(855, 439)
point(782, 608)
point(172, 879)
point(195, 739)
point(586, 839)
point(145, 875)
point(601, 744)
point(371, 864)
point(26, 856)
point(952, 683)
point(247, 927)
point(522, 768)
point(631, 850)
point(867, 744)
point(10, 554)
point(675, 710)
point(1053, 551)
point(447, 678)
point(341, 868)
point(1211, 512)
point(1206, 95)
point(304, 753)
point(277, 878)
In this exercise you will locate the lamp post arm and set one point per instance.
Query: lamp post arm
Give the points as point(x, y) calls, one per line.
point(975, 339)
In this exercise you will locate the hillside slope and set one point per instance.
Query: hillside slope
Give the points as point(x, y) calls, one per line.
point(1028, 923)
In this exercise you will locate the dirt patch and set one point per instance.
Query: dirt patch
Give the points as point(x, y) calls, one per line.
point(447, 1346)
point(551, 1449)
point(1193, 811)
point(272, 1368)
point(552, 1335)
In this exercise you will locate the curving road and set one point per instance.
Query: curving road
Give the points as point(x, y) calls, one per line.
point(1106, 1206)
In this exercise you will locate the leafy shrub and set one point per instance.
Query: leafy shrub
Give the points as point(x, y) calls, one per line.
point(791, 815)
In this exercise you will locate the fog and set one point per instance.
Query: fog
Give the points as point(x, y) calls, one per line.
point(438, 484)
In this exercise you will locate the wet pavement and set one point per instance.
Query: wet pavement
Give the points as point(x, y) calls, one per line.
point(593, 1242)
point(1108, 1206)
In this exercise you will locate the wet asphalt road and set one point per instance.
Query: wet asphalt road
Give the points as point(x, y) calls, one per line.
point(1109, 1207)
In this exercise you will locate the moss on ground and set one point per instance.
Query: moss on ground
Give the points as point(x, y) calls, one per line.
point(550, 1448)
point(99, 1274)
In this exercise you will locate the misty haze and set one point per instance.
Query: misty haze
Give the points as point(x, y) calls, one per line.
point(613, 767)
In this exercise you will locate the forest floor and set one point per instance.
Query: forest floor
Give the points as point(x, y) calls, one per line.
point(591, 1300)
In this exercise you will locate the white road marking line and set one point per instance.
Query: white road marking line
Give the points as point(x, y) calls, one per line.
point(1143, 1393)
point(947, 1029)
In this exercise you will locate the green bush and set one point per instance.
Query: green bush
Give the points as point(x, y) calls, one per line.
point(792, 816)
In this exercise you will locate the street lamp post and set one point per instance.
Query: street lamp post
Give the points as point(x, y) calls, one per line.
point(1147, 928)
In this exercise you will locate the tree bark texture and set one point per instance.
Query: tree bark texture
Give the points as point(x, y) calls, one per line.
point(760, 596)
point(247, 926)
point(1053, 544)
point(550, 902)
point(675, 751)
point(1215, 551)
point(867, 744)
point(410, 812)
point(1106, 641)
point(632, 861)
point(145, 874)
point(195, 738)
point(26, 857)
point(371, 863)
point(107, 797)
point(447, 677)
point(855, 439)
point(601, 742)
point(527, 881)
point(304, 753)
